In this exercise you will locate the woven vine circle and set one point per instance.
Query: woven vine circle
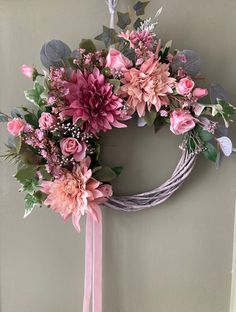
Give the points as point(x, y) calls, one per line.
point(158, 195)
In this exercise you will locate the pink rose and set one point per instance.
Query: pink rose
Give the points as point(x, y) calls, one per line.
point(184, 86)
point(181, 121)
point(46, 121)
point(117, 61)
point(16, 126)
point(200, 92)
point(27, 71)
point(71, 146)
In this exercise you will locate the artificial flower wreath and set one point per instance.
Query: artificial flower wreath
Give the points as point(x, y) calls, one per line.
point(87, 92)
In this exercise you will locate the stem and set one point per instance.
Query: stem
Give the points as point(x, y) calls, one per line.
point(9, 117)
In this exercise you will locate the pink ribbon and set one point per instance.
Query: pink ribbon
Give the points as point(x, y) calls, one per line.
point(93, 264)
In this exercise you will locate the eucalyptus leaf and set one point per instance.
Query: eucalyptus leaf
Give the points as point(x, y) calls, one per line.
point(17, 113)
point(3, 118)
point(54, 53)
point(141, 122)
point(218, 92)
point(189, 60)
point(226, 145)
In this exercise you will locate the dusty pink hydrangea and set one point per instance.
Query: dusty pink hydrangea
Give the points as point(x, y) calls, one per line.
point(75, 193)
point(91, 99)
point(147, 86)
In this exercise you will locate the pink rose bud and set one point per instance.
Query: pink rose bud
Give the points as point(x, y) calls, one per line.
point(27, 71)
point(181, 121)
point(71, 146)
point(46, 121)
point(200, 92)
point(106, 190)
point(16, 126)
point(116, 61)
point(184, 86)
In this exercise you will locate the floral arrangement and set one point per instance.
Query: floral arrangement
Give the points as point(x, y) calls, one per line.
point(87, 92)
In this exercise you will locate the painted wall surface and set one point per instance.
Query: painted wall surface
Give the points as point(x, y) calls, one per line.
point(176, 257)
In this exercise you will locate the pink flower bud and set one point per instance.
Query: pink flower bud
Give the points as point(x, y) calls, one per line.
point(27, 71)
point(185, 86)
point(106, 190)
point(200, 92)
point(16, 126)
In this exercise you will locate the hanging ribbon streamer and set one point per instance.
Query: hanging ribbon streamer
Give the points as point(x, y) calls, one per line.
point(93, 264)
point(93, 241)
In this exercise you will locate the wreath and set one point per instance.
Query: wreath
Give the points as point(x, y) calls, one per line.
point(87, 92)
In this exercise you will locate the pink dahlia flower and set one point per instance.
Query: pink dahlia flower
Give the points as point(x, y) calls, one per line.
point(75, 193)
point(92, 100)
point(138, 38)
point(147, 86)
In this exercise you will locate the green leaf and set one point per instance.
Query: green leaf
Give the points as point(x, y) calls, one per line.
point(117, 170)
point(226, 110)
point(30, 202)
point(40, 197)
point(150, 117)
point(108, 36)
point(210, 152)
point(105, 174)
point(139, 7)
point(25, 173)
point(18, 144)
point(115, 83)
point(32, 120)
point(29, 186)
point(88, 45)
point(46, 176)
point(123, 20)
point(3, 118)
point(34, 95)
point(204, 135)
point(137, 23)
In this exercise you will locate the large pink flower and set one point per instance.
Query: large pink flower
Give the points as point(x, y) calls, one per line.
point(75, 193)
point(92, 100)
point(147, 86)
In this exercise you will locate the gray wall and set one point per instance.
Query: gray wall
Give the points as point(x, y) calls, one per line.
point(176, 257)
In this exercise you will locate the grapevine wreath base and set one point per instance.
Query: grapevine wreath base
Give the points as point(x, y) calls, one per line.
point(87, 92)
point(158, 195)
